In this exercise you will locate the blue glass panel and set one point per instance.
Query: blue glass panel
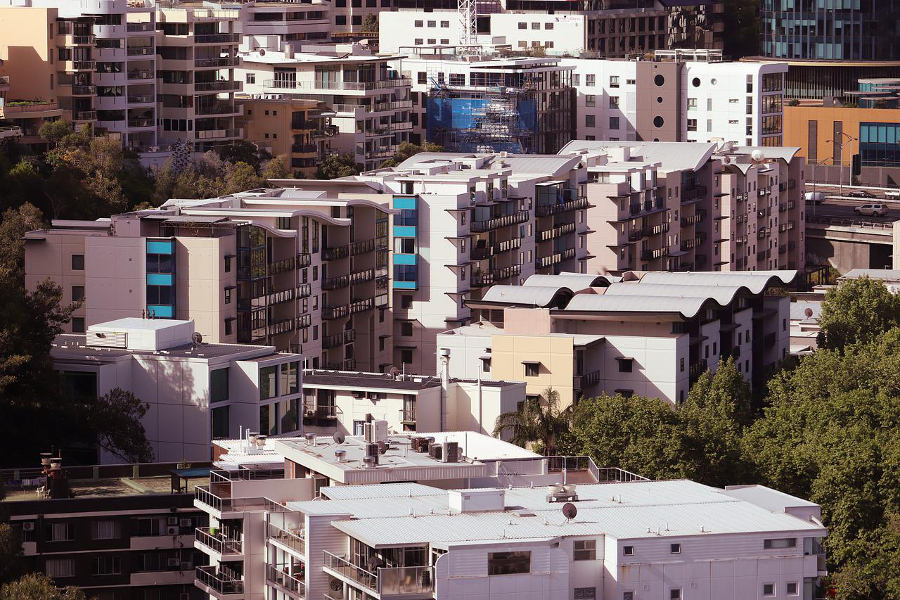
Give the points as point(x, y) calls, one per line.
point(159, 279)
point(160, 247)
point(160, 310)
point(405, 202)
point(404, 259)
point(404, 285)
point(404, 231)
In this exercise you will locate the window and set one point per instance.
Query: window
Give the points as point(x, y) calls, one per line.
point(590, 100)
point(78, 262)
point(228, 264)
point(418, 23)
point(218, 385)
point(523, 25)
point(267, 377)
point(585, 593)
point(60, 567)
point(60, 532)
point(251, 77)
point(509, 563)
point(445, 24)
point(406, 357)
point(780, 543)
point(535, 25)
point(406, 301)
point(792, 589)
point(228, 292)
point(675, 594)
point(532, 369)
point(584, 550)
point(220, 425)
point(590, 80)
point(768, 589)
point(548, 25)
point(422, 77)
point(77, 293)
point(432, 23)
point(614, 122)
point(107, 565)
point(613, 81)
point(628, 596)
point(626, 365)
point(674, 548)
point(614, 102)
point(627, 550)
point(77, 324)
point(105, 530)
point(406, 328)
point(589, 120)
point(290, 380)
point(692, 124)
point(228, 326)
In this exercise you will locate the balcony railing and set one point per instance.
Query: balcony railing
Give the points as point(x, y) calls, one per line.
point(282, 326)
point(295, 538)
point(218, 86)
point(219, 543)
point(320, 84)
point(546, 210)
point(492, 276)
point(141, 99)
point(693, 193)
point(84, 115)
point(228, 61)
point(304, 148)
point(696, 370)
point(363, 276)
point(138, 27)
point(336, 253)
point(140, 51)
point(145, 122)
point(344, 567)
point(335, 283)
point(338, 339)
point(275, 574)
point(361, 247)
point(141, 74)
point(358, 306)
point(498, 222)
point(555, 258)
point(329, 313)
point(407, 415)
point(84, 90)
point(587, 380)
point(223, 580)
point(550, 234)
point(82, 65)
point(218, 38)
point(390, 581)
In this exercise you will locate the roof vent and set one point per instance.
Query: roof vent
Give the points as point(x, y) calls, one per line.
point(561, 493)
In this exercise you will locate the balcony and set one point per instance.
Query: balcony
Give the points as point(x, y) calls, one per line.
point(220, 582)
point(304, 148)
point(408, 416)
point(228, 61)
point(144, 122)
point(320, 84)
point(84, 115)
point(693, 193)
point(545, 210)
point(79, 40)
point(84, 90)
point(216, 108)
point(218, 543)
point(80, 65)
point(492, 276)
point(358, 277)
point(141, 99)
point(552, 234)
point(358, 306)
point(301, 291)
point(218, 86)
point(218, 38)
point(294, 538)
point(329, 313)
point(344, 365)
point(336, 253)
point(586, 380)
point(697, 369)
point(361, 247)
point(217, 134)
point(292, 585)
point(140, 74)
point(139, 27)
point(397, 581)
point(141, 51)
point(282, 326)
point(335, 283)
point(654, 254)
point(555, 258)
point(338, 339)
point(498, 222)
point(304, 321)
point(303, 260)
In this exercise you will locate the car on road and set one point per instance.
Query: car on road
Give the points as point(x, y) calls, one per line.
point(871, 210)
point(815, 197)
point(861, 194)
point(892, 194)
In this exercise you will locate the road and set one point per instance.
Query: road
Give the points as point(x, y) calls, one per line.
point(842, 207)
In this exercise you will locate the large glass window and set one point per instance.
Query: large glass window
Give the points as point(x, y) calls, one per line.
point(290, 379)
point(509, 563)
point(267, 385)
point(218, 385)
point(290, 415)
point(220, 426)
point(268, 419)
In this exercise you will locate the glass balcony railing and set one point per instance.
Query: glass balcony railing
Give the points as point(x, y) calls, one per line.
point(217, 541)
point(388, 581)
point(293, 538)
point(223, 580)
point(294, 585)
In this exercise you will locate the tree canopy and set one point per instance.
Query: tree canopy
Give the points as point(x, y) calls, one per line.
point(857, 310)
point(540, 422)
point(37, 586)
point(338, 165)
point(408, 149)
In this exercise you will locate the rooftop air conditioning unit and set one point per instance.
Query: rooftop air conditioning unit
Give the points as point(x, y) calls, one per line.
point(435, 451)
point(172, 521)
point(28, 526)
point(185, 522)
point(372, 451)
point(172, 530)
point(174, 563)
point(450, 452)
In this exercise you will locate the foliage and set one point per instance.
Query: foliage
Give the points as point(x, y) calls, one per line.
point(407, 150)
point(338, 165)
point(116, 419)
point(370, 24)
point(13, 227)
point(540, 422)
point(37, 586)
point(277, 168)
point(10, 553)
point(742, 24)
point(857, 310)
point(244, 151)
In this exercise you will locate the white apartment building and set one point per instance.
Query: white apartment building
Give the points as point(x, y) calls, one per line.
point(197, 61)
point(461, 515)
point(289, 22)
point(97, 59)
point(370, 100)
point(651, 334)
point(343, 402)
point(680, 96)
point(197, 391)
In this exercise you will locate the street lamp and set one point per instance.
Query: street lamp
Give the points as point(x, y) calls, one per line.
point(841, 143)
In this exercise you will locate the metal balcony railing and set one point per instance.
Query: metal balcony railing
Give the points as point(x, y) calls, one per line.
point(218, 542)
point(218, 86)
point(336, 253)
point(550, 234)
point(140, 51)
point(361, 247)
point(338, 339)
point(358, 306)
point(218, 38)
point(335, 283)
point(407, 415)
point(223, 580)
point(321, 84)
point(693, 193)
point(546, 210)
point(228, 61)
point(586, 380)
point(295, 538)
point(138, 27)
point(330, 313)
point(276, 574)
point(84, 90)
point(345, 568)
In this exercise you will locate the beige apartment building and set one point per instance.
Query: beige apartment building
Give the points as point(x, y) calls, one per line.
point(294, 127)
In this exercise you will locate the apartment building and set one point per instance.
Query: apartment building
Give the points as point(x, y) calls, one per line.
point(115, 531)
point(271, 267)
point(678, 96)
point(557, 28)
point(291, 22)
point(95, 62)
point(342, 402)
point(381, 524)
point(661, 206)
point(264, 119)
point(651, 334)
point(197, 61)
point(370, 99)
point(196, 391)
point(489, 104)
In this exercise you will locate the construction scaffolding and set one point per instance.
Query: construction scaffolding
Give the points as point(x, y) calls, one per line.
point(489, 119)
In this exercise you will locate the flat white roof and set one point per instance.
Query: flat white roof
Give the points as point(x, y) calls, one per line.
point(138, 323)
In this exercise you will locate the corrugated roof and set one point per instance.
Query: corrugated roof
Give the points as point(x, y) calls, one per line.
point(385, 490)
point(883, 274)
point(673, 156)
point(573, 281)
point(524, 295)
point(722, 294)
point(785, 153)
point(600, 303)
point(755, 281)
point(436, 157)
point(799, 308)
point(538, 164)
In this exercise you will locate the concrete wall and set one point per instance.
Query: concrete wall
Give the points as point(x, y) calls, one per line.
point(116, 277)
point(200, 281)
point(556, 356)
point(28, 41)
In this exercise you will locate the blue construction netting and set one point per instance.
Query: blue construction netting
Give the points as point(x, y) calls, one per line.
point(446, 115)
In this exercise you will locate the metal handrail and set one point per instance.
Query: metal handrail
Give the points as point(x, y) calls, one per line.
point(346, 568)
point(292, 584)
point(291, 539)
point(220, 543)
point(223, 579)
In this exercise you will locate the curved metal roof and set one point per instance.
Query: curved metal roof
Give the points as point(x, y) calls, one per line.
point(686, 307)
point(723, 294)
point(524, 295)
point(574, 281)
point(755, 281)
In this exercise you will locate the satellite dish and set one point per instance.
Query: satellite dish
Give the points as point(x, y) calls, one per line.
point(382, 448)
point(757, 155)
point(338, 437)
point(196, 338)
point(569, 510)
point(808, 312)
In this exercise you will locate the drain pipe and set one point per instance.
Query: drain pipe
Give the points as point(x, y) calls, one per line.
point(445, 380)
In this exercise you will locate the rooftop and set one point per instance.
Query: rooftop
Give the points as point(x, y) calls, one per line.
point(73, 347)
point(641, 509)
point(357, 380)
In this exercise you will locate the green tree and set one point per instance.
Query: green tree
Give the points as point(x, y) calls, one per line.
point(338, 165)
point(370, 24)
point(742, 24)
point(37, 586)
point(242, 177)
point(13, 227)
point(244, 151)
point(407, 150)
point(277, 168)
point(857, 310)
point(540, 422)
point(116, 419)
point(10, 553)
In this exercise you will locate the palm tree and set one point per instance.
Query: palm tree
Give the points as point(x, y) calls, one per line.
point(540, 421)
